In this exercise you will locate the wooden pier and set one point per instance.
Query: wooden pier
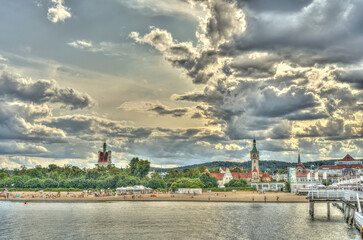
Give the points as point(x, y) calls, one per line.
point(347, 201)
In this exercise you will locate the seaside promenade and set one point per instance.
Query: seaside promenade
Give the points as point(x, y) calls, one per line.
point(239, 196)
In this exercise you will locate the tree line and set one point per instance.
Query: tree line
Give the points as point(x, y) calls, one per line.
point(110, 177)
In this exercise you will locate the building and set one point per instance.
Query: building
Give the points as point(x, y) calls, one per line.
point(104, 158)
point(344, 169)
point(255, 175)
point(255, 157)
point(300, 177)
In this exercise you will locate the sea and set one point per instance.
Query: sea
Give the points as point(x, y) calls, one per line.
point(170, 220)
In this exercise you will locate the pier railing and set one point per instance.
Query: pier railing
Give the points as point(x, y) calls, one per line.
point(346, 195)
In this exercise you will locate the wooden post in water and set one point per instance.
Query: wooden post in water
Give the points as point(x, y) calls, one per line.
point(328, 208)
point(347, 213)
point(311, 208)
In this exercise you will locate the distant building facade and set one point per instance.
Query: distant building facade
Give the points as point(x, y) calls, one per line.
point(344, 169)
point(104, 157)
point(255, 175)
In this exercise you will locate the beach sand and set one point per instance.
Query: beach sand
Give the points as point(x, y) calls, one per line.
point(239, 196)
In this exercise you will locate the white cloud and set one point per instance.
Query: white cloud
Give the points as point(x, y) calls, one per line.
point(2, 59)
point(58, 12)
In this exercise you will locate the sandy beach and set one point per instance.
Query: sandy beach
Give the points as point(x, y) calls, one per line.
point(239, 196)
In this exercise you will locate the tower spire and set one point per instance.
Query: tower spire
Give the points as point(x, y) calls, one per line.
point(254, 149)
point(104, 149)
point(298, 158)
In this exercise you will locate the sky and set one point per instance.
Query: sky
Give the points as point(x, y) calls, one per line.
point(179, 82)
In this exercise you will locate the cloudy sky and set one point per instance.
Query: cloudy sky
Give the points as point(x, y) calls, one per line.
point(179, 82)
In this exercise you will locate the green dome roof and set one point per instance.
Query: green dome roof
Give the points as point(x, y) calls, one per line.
point(254, 149)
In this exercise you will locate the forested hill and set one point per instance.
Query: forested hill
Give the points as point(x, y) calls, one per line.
point(270, 164)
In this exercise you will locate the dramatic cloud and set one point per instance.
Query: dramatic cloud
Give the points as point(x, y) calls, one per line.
point(58, 12)
point(272, 81)
point(211, 76)
point(161, 110)
point(41, 91)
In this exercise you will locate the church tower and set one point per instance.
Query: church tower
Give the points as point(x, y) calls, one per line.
point(255, 157)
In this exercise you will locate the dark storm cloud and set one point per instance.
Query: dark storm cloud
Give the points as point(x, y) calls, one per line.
point(334, 129)
point(318, 33)
point(15, 87)
point(18, 122)
point(20, 148)
point(161, 110)
point(354, 77)
point(94, 127)
point(282, 6)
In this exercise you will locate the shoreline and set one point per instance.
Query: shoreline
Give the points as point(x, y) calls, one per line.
point(242, 196)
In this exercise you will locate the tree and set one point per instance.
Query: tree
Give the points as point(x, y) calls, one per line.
point(288, 186)
point(156, 183)
point(201, 168)
point(236, 183)
point(133, 166)
point(208, 180)
point(236, 169)
point(52, 167)
point(187, 183)
point(33, 183)
point(143, 168)
point(192, 173)
point(129, 181)
point(50, 183)
point(173, 175)
point(282, 171)
point(216, 170)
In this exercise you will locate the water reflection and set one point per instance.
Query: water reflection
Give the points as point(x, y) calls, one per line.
point(170, 220)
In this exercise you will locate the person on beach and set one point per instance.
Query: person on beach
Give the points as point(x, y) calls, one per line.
point(253, 198)
point(277, 198)
point(265, 198)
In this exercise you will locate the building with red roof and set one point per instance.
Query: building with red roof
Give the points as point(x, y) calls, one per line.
point(255, 175)
point(343, 169)
point(104, 158)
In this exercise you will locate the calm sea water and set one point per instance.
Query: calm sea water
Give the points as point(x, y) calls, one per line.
point(170, 220)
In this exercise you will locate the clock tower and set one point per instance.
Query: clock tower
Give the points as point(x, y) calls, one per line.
point(255, 156)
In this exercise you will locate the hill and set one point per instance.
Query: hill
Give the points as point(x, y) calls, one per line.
point(273, 165)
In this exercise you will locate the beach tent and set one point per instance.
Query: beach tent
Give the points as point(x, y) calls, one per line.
point(133, 190)
point(190, 190)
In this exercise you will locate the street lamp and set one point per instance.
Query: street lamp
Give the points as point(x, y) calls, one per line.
point(311, 180)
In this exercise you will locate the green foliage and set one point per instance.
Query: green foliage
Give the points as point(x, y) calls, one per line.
point(201, 168)
point(216, 170)
point(139, 168)
point(326, 183)
point(50, 183)
point(156, 183)
point(227, 189)
point(236, 169)
point(208, 180)
point(192, 173)
point(287, 187)
point(33, 183)
point(173, 175)
point(187, 183)
point(236, 183)
point(133, 166)
point(282, 171)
